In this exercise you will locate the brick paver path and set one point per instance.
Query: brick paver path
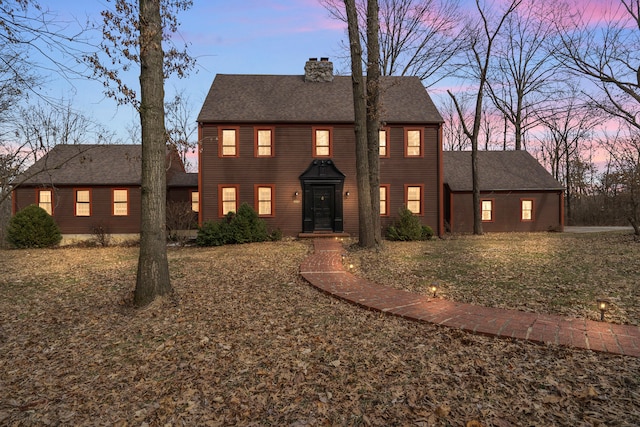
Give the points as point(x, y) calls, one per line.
point(324, 270)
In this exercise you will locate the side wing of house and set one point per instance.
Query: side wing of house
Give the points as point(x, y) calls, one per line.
point(86, 187)
point(517, 194)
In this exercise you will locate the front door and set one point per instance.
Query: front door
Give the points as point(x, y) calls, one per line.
point(323, 207)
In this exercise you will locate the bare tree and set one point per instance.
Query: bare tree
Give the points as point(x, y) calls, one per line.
point(181, 127)
point(606, 54)
point(624, 163)
point(135, 35)
point(365, 215)
point(453, 137)
point(34, 131)
point(523, 75)
point(416, 37)
point(480, 38)
point(568, 127)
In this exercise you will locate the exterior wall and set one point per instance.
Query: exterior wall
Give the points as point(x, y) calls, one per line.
point(506, 206)
point(397, 170)
point(293, 145)
point(101, 209)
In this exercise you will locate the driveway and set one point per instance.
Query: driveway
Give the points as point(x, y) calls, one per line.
point(573, 229)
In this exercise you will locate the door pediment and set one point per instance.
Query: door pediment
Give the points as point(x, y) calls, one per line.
point(322, 170)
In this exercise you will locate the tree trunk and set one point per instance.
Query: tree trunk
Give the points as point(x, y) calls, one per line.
point(153, 267)
point(365, 216)
point(373, 115)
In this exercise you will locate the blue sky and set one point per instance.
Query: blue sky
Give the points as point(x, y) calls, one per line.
point(225, 36)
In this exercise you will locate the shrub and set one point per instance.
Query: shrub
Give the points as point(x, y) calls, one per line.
point(243, 226)
point(33, 227)
point(408, 228)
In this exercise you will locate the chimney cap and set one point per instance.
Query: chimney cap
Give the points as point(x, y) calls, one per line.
point(313, 59)
point(324, 59)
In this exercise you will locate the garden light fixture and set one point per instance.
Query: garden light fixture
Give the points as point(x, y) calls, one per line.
point(603, 305)
point(434, 289)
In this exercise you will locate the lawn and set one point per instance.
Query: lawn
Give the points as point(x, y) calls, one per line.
point(246, 341)
point(552, 273)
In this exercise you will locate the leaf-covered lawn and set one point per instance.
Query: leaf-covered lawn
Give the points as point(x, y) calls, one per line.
point(552, 273)
point(245, 341)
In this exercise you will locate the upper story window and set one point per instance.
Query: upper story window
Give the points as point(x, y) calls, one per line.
point(526, 208)
point(83, 203)
point(322, 142)
point(413, 142)
point(264, 142)
point(228, 141)
point(486, 207)
point(264, 200)
point(384, 199)
point(45, 200)
point(195, 201)
point(228, 199)
point(121, 202)
point(413, 198)
point(384, 142)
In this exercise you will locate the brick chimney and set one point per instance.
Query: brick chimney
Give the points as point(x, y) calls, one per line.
point(318, 71)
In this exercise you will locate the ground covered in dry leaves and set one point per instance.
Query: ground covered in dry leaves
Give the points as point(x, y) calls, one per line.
point(245, 341)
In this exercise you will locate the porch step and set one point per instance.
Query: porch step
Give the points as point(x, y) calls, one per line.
point(322, 234)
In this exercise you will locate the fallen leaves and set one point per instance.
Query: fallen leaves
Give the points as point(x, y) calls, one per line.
point(245, 341)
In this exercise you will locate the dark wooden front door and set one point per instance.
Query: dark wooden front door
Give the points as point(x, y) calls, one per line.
point(323, 208)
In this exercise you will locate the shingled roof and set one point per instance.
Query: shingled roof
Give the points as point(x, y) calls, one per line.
point(498, 171)
point(85, 164)
point(235, 98)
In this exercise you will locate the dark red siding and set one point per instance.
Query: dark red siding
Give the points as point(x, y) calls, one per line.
point(506, 215)
point(101, 209)
point(293, 145)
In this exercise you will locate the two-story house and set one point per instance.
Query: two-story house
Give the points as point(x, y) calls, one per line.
point(285, 144)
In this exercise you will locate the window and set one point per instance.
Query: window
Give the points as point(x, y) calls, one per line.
point(121, 202)
point(264, 200)
point(413, 143)
point(264, 142)
point(228, 138)
point(321, 142)
point(228, 201)
point(526, 207)
point(486, 207)
point(83, 203)
point(384, 142)
point(195, 201)
point(384, 200)
point(45, 200)
point(413, 196)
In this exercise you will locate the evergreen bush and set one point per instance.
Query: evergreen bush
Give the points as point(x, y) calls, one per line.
point(243, 226)
point(33, 227)
point(408, 228)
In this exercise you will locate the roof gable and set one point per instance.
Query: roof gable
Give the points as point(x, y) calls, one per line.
point(498, 171)
point(235, 98)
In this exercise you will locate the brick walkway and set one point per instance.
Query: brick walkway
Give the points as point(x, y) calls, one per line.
point(324, 270)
